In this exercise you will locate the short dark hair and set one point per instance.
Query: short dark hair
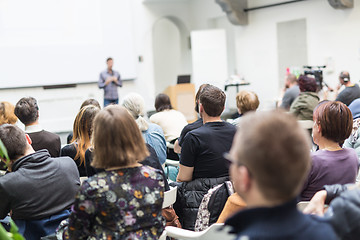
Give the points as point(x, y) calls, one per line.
point(276, 151)
point(307, 84)
point(213, 100)
point(26, 109)
point(162, 102)
point(14, 140)
point(108, 59)
point(90, 101)
point(335, 120)
point(197, 97)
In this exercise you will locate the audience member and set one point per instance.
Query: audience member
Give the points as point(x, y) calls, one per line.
point(202, 165)
point(304, 105)
point(291, 93)
point(343, 212)
point(87, 102)
point(354, 141)
point(331, 164)
point(7, 114)
point(38, 190)
point(82, 129)
point(170, 120)
point(268, 175)
point(203, 148)
point(351, 91)
point(27, 111)
point(124, 201)
point(191, 126)
point(152, 133)
point(246, 101)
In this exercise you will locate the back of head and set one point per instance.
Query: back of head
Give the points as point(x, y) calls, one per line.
point(335, 120)
point(197, 97)
point(213, 100)
point(14, 140)
point(26, 109)
point(247, 101)
point(307, 84)
point(90, 101)
point(135, 104)
point(83, 128)
point(162, 102)
point(7, 114)
point(292, 78)
point(345, 76)
point(117, 139)
point(275, 149)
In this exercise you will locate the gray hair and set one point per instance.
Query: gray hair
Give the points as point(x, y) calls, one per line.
point(135, 103)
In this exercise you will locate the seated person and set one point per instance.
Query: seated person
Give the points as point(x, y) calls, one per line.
point(170, 120)
point(27, 110)
point(270, 160)
point(7, 113)
point(246, 101)
point(354, 141)
point(331, 164)
point(38, 190)
point(87, 102)
point(82, 131)
point(351, 91)
point(203, 148)
point(343, 212)
point(6, 116)
point(152, 133)
point(125, 200)
point(304, 105)
point(292, 91)
point(191, 126)
point(202, 165)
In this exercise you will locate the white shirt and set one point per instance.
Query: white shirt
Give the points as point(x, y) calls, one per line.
point(171, 121)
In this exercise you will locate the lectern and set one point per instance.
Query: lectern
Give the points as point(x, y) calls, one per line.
point(182, 98)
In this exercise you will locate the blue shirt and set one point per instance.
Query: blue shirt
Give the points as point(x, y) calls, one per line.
point(154, 136)
point(110, 90)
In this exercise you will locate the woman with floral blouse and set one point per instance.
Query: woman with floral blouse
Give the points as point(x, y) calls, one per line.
point(124, 201)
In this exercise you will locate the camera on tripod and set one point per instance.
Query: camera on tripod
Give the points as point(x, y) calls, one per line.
point(317, 72)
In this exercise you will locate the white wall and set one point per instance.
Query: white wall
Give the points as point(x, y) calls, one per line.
point(331, 34)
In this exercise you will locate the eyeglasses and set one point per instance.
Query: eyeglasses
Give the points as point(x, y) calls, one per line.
point(231, 160)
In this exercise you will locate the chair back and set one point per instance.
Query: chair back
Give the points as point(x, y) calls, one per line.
point(169, 197)
point(214, 232)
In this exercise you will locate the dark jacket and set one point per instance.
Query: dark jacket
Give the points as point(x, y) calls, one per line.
point(304, 105)
point(344, 210)
point(189, 196)
point(282, 222)
point(38, 186)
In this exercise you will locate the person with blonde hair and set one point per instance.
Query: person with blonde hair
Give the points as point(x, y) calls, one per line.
point(152, 133)
point(7, 114)
point(82, 132)
point(125, 200)
point(246, 101)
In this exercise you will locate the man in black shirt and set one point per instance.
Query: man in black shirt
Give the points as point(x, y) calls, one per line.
point(203, 148)
point(198, 123)
point(351, 91)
